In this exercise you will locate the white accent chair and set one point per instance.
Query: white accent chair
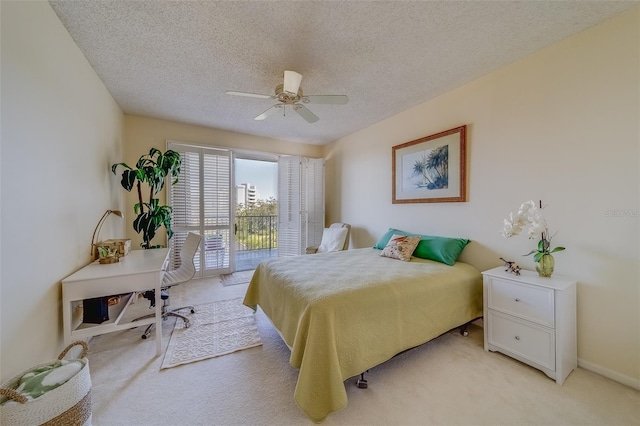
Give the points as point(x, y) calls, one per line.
point(334, 238)
point(184, 273)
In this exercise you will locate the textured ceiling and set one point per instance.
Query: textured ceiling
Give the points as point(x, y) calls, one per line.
point(176, 59)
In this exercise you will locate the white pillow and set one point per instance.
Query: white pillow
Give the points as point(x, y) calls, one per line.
point(332, 239)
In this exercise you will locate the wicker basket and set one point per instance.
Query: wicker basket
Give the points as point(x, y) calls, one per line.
point(68, 404)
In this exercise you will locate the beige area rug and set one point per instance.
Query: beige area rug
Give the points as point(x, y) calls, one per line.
point(217, 328)
point(240, 277)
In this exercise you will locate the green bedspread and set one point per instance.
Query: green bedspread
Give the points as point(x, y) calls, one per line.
point(344, 312)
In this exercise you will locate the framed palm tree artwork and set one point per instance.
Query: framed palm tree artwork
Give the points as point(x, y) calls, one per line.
point(431, 169)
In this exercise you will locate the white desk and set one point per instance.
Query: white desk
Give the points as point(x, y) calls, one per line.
point(138, 271)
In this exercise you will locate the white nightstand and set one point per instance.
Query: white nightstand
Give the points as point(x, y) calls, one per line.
point(532, 319)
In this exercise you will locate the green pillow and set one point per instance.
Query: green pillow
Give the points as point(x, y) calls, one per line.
point(440, 249)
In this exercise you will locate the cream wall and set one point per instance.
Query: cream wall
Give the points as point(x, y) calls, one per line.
point(561, 125)
point(143, 133)
point(60, 131)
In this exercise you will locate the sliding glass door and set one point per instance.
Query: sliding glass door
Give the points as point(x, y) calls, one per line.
point(256, 208)
point(202, 203)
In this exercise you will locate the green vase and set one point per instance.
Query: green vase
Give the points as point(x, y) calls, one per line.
point(545, 265)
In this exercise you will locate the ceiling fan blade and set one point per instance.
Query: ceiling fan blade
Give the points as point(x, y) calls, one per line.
point(306, 113)
point(268, 112)
point(328, 99)
point(292, 81)
point(249, 95)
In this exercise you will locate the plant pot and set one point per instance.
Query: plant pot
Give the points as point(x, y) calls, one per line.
point(545, 265)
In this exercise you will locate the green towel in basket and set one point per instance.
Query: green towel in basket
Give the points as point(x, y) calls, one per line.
point(42, 379)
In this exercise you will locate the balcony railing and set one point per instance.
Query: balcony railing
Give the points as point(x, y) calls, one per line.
point(256, 233)
point(256, 240)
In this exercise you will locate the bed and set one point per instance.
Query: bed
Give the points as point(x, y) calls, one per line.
point(344, 312)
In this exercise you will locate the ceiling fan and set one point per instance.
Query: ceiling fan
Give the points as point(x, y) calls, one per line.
point(290, 93)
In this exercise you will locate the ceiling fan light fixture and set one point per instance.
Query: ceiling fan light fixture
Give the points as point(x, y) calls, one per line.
point(287, 97)
point(289, 93)
point(292, 82)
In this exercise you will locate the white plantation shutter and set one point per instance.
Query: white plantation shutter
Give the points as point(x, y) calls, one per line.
point(314, 196)
point(201, 202)
point(184, 199)
point(217, 208)
point(300, 204)
point(289, 206)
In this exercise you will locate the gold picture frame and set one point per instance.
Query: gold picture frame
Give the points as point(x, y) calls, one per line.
point(431, 169)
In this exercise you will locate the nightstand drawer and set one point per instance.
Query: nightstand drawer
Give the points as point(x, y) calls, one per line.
point(528, 302)
point(528, 341)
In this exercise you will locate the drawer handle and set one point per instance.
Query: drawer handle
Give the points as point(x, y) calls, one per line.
point(517, 337)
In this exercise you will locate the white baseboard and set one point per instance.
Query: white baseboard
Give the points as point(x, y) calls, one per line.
point(617, 377)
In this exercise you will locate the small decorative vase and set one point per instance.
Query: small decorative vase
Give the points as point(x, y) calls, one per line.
point(545, 265)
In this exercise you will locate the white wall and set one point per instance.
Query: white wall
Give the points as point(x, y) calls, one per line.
point(561, 125)
point(61, 130)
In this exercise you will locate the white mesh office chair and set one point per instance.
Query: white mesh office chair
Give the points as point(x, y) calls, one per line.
point(335, 238)
point(184, 273)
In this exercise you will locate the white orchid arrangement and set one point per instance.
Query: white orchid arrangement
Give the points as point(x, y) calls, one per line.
point(529, 214)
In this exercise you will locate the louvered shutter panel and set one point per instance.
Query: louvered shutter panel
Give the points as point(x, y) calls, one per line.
point(201, 203)
point(217, 207)
point(300, 204)
point(288, 206)
point(184, 199)
point(314, 195)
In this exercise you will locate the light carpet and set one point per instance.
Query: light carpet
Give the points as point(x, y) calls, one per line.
point(240, 277)
point(216, 329)
point(450, 381)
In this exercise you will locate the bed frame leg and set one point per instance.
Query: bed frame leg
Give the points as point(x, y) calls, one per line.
point(464, 330)
point(362, 383)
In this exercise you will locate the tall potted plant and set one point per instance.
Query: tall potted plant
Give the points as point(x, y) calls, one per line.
point(151, 169)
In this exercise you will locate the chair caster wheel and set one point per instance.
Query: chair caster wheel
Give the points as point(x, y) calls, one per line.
point(362, 384)
point(144, 336)
point(193, 311)
point(465, 333)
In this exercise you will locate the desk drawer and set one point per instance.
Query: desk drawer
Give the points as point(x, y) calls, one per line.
point(524, 301)
point(529, 341)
